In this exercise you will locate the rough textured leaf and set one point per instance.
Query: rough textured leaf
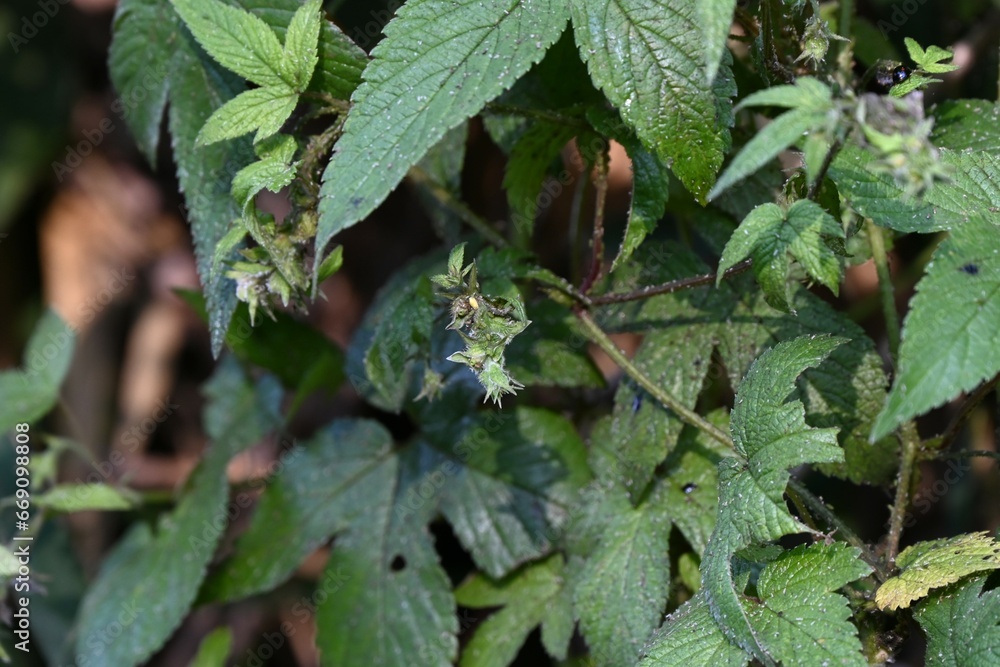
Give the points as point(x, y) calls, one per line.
point(939, 357)
point(153, 578)
point(928, 565)
point(27, 395)
point(435, 68)
point(301, 43)
point(770, 435)
point(532, 596)
point(650, 188)
point(648, 58)
point(690, 638)
point(801, 619)
point(622, 591)
point(769, 235)
point(715, 18)
point(238, 40)
point(967, 124)
point(262, 109)
point(972, 192)
point(875, 194)
point(962, 624)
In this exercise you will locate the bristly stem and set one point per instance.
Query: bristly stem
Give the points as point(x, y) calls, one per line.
point(910, 440)
point(597, 243)
point(441, 193)
point(668, 287)
point(881, 259)
point(686, 415)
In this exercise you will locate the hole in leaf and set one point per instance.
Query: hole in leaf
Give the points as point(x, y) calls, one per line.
point(398, 563)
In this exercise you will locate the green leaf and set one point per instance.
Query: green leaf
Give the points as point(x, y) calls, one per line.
point(214, 649)
point(8, 563)
point(622, 591)
point(648, 57)
point(874, 194)
point(784, 131)
point(527, 166)
point(715, 18)
point(928, 565)
point(80, 497)
point(273, 171)
point(690, 638)
point(967, 124)
point(929, 60)
point(238, 40)
point(972, 192)
point(430, 73)
point(961, 624)
point(940, 357)
point(770, 235)
point(551, 352)
point(262, 109)
point(770, 435)
point(341, 61)
point(150, 580)
point(531, 596)
point(27, 395)
point(301, 43)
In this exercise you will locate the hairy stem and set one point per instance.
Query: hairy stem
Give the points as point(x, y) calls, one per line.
point(668, 287)
point(446, 198)
point(908, 459)
point(686, 415)
point(881, 259)
point(597, 244)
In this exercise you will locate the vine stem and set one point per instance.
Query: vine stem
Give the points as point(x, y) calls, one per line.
point(670, 286)
point(600, 199)
point(446, 198)
point(908, 459)
point(881, 259)
point(688, 416)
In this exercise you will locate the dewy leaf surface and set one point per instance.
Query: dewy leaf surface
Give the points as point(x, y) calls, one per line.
point(691, 638)
point(949, 340)
point(153, 578)
point(962, 624)
point(928, 565)
point(439, 64)
point(770, 435)
point(649, 59)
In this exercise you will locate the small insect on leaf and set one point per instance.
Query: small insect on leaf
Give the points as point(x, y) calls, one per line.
point(971, 269)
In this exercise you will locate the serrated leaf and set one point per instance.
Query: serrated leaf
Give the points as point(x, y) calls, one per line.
point(428, 74)
point(715, 18)
point(679, 115)
point(80, 497)
point(940, 357)
point(784, 131)
point(928, 565)
point(151, 56)
point(800, 618)
point(152, 579)
point(531, 596)
point(973, 191)
point(270, 173)
point(301, 43)
point(967, 124)
point(341, 61)
point(875, 194)
point(622, 591)
point(769, 235)
point(28, 394)
point(238, 40)
point(527, 166)
point(262, 109)
point(961, 624)
point(691, 638)
point(520, 473)
point(770, 435)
